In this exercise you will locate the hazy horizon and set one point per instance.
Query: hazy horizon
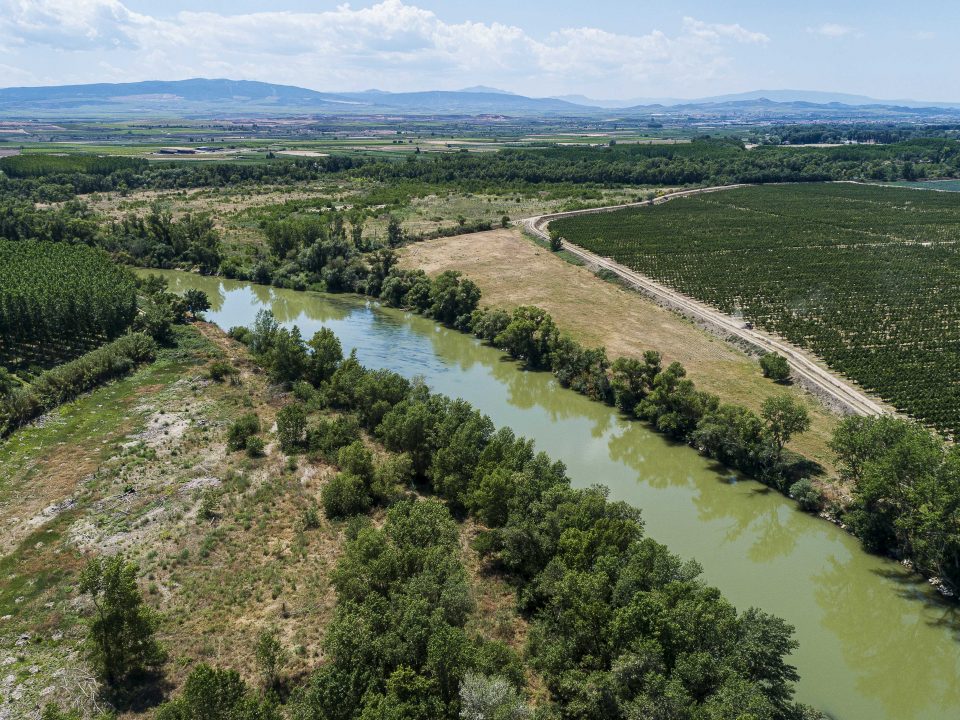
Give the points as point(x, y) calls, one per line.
point(609, 51)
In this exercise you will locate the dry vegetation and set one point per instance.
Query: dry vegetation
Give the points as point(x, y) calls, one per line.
point(511, 270)
point(141, 467)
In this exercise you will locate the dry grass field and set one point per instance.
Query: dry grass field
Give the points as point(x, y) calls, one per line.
point(511, 270)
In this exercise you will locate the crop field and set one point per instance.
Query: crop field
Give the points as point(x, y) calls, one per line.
point(57, 300)
point(866, 277)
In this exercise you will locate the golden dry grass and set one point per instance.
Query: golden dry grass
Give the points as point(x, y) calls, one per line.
point(511, 270)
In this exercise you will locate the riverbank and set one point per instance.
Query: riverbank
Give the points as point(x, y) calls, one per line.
point(511, 271)
point(875, 642)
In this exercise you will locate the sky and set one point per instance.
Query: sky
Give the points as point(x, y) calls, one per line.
point(601, 49)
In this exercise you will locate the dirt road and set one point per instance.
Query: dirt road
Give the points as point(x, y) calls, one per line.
point(836, 392)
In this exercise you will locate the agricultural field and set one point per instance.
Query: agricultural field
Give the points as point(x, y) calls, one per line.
point(866, 277)
point(47, 311)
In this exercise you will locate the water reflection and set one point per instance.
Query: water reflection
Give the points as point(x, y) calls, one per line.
point(869, 649)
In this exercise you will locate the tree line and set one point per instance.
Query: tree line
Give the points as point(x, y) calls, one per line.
point(619, 627)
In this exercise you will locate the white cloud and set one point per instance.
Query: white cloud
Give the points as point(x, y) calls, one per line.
point(832, 30)
point(390, 45)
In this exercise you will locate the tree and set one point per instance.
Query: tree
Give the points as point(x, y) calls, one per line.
point(325, 357)
point(121, 643)
point(196, 301)
point(287, 358)
point(785, 416)
point(556, 242)
point(395, 234)
point(345, 495)
point(490, 698)
point(291, 425)
point(265, 328)
point(530, 336)
point(271, 657)
point(215, 694)
point(453, 298)
point(775, 367)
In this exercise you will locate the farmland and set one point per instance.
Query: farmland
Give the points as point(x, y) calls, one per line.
point(866, 277)
point(42, 303)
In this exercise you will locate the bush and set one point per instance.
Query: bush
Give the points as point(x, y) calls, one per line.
point(775, 367)
point(69, 380)
point(328, 436)
point(255, 446)
point(345, 495)
point(291, 425)
point(356, 459)
point(310, 518)
point(241, 430)
point(240, 334)
point(220, 369)
point(808, 497)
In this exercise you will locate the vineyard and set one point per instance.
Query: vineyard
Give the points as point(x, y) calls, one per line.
point(866, 277)
point(59, 300)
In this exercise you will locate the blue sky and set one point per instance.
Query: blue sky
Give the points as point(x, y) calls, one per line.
point(601, 49)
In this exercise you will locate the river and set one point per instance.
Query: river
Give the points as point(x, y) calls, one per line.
point(875, 644)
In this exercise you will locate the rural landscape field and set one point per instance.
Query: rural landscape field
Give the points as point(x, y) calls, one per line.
point(320, 402)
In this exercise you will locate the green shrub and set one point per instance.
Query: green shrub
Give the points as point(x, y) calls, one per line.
point(254, 446)
point(356, 459)
point(345, 495)
point(244, 427)
point(221, 369)
point(775, 367)
point(291, 426)
point(808, 497)
point(328, 436)
point(240, 334)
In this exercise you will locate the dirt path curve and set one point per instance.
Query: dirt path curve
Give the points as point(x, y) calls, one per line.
point(836, 392)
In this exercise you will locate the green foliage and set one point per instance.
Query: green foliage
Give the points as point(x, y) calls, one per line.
point(357, 460)
point(220, 370)
point(287, 357)
point(486, 323)
point(619, 626)
point(775, 366)
point(53, 293)
point(65, 382)
point(345, 495)
point(326, 354)
point(906, 489)
point(255, 446)
point(860, 275)
point(196, 301)
point(241, 430)
point(159, 240)
point(29, 165)
point(786, 416)
point(326, 437)
point(214, 694)
point(271, 658)
point(291, 426)
point(808, 497)
point(530, 336)
point(121, 644)
point(453, 298)
point(556, 242)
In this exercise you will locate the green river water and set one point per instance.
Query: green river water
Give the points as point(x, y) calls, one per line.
point(874, 643)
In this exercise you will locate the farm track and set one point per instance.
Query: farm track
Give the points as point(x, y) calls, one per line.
point(836, 392)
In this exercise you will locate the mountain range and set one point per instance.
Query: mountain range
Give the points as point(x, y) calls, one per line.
point(205, 98)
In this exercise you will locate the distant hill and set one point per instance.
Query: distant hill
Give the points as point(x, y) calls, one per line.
point(206, 98)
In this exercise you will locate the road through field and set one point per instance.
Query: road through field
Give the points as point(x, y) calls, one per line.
point(835, 391)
